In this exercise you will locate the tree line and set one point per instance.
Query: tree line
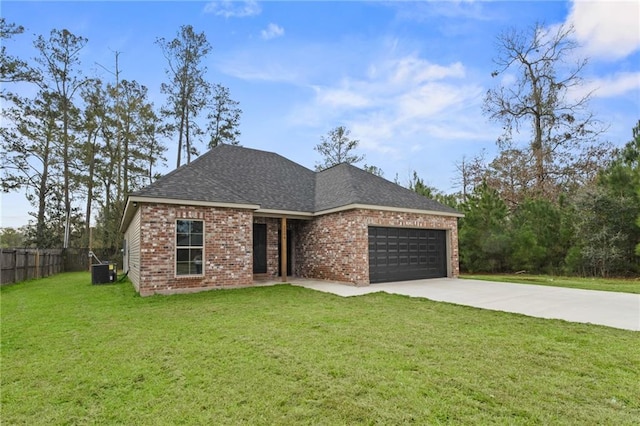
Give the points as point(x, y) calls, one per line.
point(561, 200)
point(77, 144)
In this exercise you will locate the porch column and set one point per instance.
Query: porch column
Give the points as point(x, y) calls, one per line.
point(283, 249)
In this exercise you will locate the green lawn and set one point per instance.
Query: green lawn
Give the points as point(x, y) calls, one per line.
point(623, 285)
point(73, 353)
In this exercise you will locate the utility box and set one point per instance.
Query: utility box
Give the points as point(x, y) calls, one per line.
point(104, 273)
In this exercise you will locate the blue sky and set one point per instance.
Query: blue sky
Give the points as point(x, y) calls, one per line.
point(407, 78)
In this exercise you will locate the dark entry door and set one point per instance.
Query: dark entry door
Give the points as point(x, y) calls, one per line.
point(289, 252)
point(401, 254)
point(259, 248)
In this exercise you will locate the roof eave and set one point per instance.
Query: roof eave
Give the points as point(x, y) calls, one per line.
point(134, 200)
point(386, 208)
point(291, 214)
point(127, 215)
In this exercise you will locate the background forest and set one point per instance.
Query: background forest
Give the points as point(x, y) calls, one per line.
point(565, 202)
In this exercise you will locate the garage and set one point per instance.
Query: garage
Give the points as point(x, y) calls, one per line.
point(402, 254)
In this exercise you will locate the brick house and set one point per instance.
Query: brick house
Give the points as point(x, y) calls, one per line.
point(217, 222)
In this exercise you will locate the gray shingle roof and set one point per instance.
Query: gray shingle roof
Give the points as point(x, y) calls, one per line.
point(345, 184)
point(233, 174)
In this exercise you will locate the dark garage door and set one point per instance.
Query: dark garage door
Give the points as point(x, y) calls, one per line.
point(400, 254)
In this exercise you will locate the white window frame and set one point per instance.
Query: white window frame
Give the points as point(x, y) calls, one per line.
point(189, 248)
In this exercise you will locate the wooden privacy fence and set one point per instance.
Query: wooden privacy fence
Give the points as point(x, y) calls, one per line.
point(24, 264)
point(78, 259)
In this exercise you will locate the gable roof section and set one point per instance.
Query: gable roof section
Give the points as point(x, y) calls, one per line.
point(344, 184)
point(233, 175)
point(237, 175)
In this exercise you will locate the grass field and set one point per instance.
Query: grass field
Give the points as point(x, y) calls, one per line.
point(623, 285)
point(73, 353)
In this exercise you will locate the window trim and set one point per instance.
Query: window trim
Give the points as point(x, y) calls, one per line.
point(178, 247)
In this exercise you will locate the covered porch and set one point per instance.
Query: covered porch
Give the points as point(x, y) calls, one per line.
point(274, 252)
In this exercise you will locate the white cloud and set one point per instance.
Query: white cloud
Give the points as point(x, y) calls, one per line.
point(287, 62)
point(412, 81)
point(414, 70)
point(607, 29)
point(341, 97)
point(427, 10)
point(430, 99)
point(272, 31)
point(393, 100)
point(610, 86)
point(405, 81)
point(374, 131)
point(266, 71)
point(401, 100)
point(233, 9)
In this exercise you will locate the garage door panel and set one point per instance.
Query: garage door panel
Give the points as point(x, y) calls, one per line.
point(398, 254)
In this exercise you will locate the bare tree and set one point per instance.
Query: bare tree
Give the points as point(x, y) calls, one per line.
point(472, 172)
point(337, 148)
point(509, 173)
point(545, 96)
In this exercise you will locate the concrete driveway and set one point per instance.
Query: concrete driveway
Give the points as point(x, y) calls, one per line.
point(618, 310)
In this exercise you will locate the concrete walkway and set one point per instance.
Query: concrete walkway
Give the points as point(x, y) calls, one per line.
point(618, 310)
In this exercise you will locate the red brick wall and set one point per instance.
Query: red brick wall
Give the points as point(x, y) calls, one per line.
point(331, 247)
point(228, 248)
point(336, 246)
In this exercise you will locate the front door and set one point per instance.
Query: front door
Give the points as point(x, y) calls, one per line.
point(259, 248)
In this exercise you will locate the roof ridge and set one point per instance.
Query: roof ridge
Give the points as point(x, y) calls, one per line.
point(352, 182)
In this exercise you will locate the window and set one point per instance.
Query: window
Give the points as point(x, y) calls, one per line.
point(189, 247)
